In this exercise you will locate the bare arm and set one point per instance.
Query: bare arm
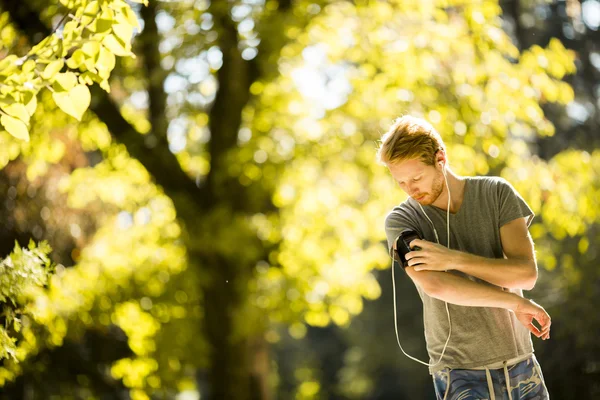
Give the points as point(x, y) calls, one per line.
point(461, 291)
point(455, 289)
point(517, 271)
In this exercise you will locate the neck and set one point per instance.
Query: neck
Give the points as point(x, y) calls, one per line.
point(457, 190)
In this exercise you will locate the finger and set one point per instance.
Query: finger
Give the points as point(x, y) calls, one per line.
point(415, 261)
point(546, 331)
point(544, 321)
point(414, 254)
point(534, 329)
point(418, 242)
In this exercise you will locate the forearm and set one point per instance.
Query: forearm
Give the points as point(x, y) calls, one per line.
point(458, 290)
point(512, 273)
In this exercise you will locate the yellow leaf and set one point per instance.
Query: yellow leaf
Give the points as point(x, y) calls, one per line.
point(15, 127)
point(8, 64)
point(105, 85)
point(30, 101)
point(87, 78)
point(115, 45)
point(106, 60)
point(131, 17)
point(76, 59)
point(17, 110)
point(28, 66)
point(90, 12)
point(53, 68)
point(74, 102)
point(70, 30)
point(91, 49)
point(123, 32)
point(65, 81)
point(90, 65)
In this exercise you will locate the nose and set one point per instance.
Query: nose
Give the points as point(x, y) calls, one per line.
point(412, 189)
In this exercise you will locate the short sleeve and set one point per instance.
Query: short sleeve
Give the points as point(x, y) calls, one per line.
point(395, 223)
point(511, 204)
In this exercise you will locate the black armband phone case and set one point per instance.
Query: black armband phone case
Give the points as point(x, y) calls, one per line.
point(403, 245)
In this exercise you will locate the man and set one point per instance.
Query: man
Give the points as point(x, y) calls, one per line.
point(474, 287)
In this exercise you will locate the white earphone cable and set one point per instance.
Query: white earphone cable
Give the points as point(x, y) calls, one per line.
point(394, 284)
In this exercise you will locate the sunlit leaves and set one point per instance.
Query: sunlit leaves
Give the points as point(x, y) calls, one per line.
point(15, 127)
point(74, 101)
point(21, 273)
point(94, 33)
point(312, 147)
point(52, 69)
point(456, 67)
point(566, 204)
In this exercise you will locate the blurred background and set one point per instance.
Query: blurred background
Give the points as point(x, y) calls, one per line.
point(216, 220)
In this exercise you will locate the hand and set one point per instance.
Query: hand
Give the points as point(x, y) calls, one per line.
point(528, 310)
point(432, 256)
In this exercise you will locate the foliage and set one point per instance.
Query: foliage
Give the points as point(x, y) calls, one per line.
point(96, 32)
point(24, 270)
point(300, 245)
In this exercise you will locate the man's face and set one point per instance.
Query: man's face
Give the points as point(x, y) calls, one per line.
point(422, 182)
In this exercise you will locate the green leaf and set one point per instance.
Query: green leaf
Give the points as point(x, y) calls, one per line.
point(53, 68)
point(15, 127)
point(74, 102)
point(65, 81)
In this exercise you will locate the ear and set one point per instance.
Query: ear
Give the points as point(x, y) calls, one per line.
point(441, 158)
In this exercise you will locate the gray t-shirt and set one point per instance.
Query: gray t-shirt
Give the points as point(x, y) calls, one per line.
point(480, 335)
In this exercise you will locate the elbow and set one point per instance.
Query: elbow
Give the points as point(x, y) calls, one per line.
point(429, 282)
point(531, 277)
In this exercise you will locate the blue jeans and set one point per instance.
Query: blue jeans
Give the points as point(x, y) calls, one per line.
point(526, 383)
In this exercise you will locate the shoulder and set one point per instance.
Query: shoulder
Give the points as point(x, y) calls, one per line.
point(402, 214)
point(491, 184)
point(488, 181)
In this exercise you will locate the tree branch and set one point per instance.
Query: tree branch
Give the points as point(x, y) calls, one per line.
point(225, 116)
point(158, 160)
point(155, 75)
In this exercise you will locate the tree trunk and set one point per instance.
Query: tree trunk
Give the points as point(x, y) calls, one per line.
point(239, 367)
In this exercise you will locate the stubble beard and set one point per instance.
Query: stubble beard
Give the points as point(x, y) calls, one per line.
point(436, 190)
